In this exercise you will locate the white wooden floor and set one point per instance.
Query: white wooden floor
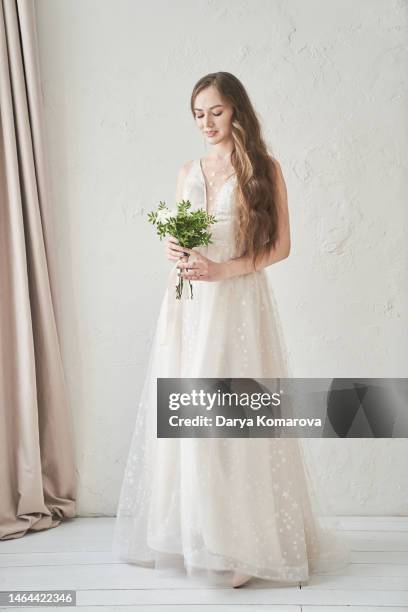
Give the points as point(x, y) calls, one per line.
point(76, 555)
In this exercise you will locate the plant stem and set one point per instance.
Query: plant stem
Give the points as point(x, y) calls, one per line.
point(180, 285)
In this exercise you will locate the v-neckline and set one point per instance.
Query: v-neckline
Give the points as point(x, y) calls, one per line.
point(205, 188)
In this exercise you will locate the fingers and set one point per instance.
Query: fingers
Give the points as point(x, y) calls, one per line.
point(191, 270)
point(172, 249)
point(195, 275)
point(170, 254)
point(174, 254)
point(173, 244)
point(191, 265)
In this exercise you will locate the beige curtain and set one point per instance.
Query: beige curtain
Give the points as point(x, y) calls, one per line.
point(37, 470)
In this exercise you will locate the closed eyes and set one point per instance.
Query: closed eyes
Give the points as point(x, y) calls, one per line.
point(201, 116)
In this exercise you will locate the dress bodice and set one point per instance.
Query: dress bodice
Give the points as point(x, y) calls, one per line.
point(222, 247)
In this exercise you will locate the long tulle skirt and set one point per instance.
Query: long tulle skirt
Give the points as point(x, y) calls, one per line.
point(211, 506)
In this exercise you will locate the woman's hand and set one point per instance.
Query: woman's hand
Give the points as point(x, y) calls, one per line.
point(173, 250)
point(200, 268)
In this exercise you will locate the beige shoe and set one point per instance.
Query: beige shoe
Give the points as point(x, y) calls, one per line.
point(240, 579)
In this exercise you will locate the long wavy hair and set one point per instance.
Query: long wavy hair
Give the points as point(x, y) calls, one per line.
point(256, 218)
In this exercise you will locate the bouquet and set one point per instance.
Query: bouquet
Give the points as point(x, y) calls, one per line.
point(189, 227)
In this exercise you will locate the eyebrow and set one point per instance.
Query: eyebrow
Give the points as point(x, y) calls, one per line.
point(215, 105)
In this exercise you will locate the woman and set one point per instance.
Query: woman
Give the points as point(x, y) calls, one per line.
point(225, 508)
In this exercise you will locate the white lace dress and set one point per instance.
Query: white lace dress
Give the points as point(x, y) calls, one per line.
point(209, 506)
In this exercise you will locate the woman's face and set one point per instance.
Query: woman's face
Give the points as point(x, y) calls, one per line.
point(213, 115)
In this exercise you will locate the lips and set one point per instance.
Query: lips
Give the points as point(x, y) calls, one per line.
point(211, 133)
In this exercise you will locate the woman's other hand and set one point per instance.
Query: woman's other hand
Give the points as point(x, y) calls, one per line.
point(201, 268)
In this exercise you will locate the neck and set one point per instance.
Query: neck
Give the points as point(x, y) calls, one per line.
point(222, 151)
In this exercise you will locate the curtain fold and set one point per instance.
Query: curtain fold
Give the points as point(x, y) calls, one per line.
point(37, 462)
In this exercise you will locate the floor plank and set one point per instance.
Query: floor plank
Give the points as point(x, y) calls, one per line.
point(77, 555)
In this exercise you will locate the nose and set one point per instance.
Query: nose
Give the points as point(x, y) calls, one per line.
point(208, 123)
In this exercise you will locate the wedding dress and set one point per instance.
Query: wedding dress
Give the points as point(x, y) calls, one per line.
point(211, 506)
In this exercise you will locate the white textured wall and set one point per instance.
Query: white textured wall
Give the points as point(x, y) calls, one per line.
point(328, 80)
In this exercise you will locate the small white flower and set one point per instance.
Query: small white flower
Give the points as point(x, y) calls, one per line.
point(163, 215)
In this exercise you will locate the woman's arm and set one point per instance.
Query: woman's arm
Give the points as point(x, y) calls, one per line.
point(244, 265)
point(171, 248)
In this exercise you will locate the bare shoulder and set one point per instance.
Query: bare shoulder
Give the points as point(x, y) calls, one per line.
point(279, 184)
point(185, 168)
point(182, 174)
point(277, 173)
point(276, 167)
